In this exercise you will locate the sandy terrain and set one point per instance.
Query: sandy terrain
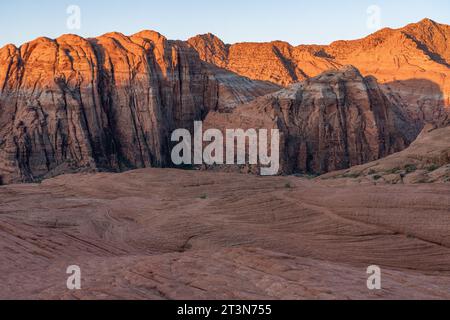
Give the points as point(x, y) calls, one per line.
point(170, 234)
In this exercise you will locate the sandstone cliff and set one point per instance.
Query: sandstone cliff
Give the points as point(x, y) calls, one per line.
point(333, 121)
point(111, 102)
point(412, 63)
point(104, 103)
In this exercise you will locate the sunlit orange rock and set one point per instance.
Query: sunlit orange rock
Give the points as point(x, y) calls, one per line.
point(411, 62)
point(105, 103)
point(111, 102)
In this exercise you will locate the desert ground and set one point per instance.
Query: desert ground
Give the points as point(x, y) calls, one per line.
point(174, 234)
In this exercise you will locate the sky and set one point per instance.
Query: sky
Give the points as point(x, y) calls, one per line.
point(294, 21)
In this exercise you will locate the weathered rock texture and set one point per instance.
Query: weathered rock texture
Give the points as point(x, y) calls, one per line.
point(111, 102)
point(333, 121)
point(108, 102)
point(171, 234)
point(411, 62)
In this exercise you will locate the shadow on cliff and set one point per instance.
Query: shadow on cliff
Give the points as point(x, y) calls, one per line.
point(421, 101)
point(419, 86)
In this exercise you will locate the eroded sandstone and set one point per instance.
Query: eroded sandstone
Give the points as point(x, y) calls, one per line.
point(334, 121)
point(105, 103)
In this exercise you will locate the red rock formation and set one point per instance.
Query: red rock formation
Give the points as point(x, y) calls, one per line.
point(277, 61)
point(333, 121)
point(108, 102)
point(412, 63)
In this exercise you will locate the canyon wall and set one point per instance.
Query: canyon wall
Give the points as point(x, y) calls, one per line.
point(111, 102)
point(105, 103)
point(330, 122)
point(411, 63)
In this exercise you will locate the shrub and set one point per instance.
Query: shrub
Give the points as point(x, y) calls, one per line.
point(351, 175)
point(432, 167)
point(394, 170)
point(377, 177)
point(410, 168)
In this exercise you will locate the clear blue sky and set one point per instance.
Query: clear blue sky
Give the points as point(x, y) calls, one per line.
point(295, 21)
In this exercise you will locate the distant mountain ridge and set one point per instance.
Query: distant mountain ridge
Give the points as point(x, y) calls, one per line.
point(412, 63)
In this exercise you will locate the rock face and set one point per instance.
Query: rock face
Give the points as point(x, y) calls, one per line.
point(111, 102)
point(426, 160)
point(412, 63)
point(277, 61)
point(333, 121)
point(104, 103)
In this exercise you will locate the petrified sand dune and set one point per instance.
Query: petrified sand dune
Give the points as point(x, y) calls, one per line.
point(110, 103)
point(166, 234)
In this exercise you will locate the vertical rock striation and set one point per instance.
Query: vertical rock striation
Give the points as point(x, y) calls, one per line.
point(105, 103)
point(333, 121)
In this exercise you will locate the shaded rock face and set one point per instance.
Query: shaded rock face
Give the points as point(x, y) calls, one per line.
point(333, 121)
point(426, 160)
point(105, 103)
point(412, 63)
